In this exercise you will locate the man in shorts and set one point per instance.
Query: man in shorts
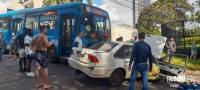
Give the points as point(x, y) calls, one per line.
point(40, 42)
point(19, 41)
point(12, 45)
point(171, 47)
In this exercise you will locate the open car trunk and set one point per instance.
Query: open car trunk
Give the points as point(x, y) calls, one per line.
point(173, 64)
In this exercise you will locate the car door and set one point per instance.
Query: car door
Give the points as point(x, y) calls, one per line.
point(127, 56)
point(122, 56)
point(119, 57)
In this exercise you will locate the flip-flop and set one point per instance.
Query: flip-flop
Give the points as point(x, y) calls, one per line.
point(50, 86)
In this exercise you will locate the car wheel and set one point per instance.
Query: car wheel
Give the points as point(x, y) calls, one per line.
point(52, 55)
point(116, 78)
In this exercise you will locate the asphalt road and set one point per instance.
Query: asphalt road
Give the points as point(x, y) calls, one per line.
point(62, 78)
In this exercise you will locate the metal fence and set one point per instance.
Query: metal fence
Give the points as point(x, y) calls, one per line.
point(183, 32)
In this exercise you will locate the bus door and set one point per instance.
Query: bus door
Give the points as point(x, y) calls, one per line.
point(66, 34)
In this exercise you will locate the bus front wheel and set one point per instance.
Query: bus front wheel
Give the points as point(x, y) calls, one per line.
point(52, 55)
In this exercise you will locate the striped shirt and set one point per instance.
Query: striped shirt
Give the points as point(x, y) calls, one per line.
point(1, 43)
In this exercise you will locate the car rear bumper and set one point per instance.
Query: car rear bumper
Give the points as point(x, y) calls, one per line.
point(94, 72)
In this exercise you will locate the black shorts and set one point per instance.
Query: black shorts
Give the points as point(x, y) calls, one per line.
point(41, 59)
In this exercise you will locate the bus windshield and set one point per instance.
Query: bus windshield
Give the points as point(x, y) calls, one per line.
point(95, 26)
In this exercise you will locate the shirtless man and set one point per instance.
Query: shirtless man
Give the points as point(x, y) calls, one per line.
point(40, 42)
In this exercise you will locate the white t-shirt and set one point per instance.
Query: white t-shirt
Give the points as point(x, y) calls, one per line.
point(27, 40)
point(79, 41)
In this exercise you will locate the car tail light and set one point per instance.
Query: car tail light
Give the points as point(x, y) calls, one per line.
point(93, 59)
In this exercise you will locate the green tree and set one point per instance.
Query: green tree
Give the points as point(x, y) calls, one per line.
point(163, 11)
point(198, 12)
point(55, 2)
point(198, 2)
point(89, 2)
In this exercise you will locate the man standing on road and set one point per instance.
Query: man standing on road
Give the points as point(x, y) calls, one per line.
point(78, 40)
point(28, 51)
point(171, 45)
point(140, 53)
point(19, 41)
point(12, 45)
point(40, 42)
point(79, 45)
point(1, 45)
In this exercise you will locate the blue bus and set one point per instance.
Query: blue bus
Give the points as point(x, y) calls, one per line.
point(10, 24)
point(63, 23)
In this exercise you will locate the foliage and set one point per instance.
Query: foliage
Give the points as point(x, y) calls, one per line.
point(188, 41)
point(198, 2)
point(54, 2)
point(162, 11)
point(197, 14)
point(89, 2)
point(191, 65)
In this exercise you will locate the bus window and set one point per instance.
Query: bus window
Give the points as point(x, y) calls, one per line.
point(32, 21)
point(49, 19)
point(6, 23)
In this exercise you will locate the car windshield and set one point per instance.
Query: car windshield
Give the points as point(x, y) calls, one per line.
point(103, 46)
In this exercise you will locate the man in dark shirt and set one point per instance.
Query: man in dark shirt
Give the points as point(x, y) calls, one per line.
point(19, 41)
point(140, 53)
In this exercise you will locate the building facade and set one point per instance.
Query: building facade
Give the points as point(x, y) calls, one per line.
point(33, 3)
point(21, 4)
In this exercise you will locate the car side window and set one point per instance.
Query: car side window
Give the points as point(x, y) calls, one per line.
point(128, 52)
point(120, 53)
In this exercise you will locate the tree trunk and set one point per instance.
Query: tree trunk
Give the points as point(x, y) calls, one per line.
point(57, 1)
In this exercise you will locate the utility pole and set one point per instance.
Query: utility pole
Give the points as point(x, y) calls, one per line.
point(57, 1)
point(133, 5)
point(183, 27)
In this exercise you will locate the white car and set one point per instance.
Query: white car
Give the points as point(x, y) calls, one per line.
point(111, 59)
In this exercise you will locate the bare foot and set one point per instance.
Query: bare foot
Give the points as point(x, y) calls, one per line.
point(47, 86)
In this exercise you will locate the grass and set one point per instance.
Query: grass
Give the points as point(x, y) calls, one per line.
point(180, 61)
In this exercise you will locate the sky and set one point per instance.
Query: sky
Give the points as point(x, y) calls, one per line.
point(118, 13)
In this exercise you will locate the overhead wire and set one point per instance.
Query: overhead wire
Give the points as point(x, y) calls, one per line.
point(121, 4)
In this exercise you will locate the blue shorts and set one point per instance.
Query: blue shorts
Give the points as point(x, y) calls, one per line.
point(41, 59)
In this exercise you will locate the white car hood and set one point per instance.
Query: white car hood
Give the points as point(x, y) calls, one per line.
point(157, 44)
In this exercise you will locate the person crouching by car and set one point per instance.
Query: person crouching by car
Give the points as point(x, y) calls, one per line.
point(79, 44)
